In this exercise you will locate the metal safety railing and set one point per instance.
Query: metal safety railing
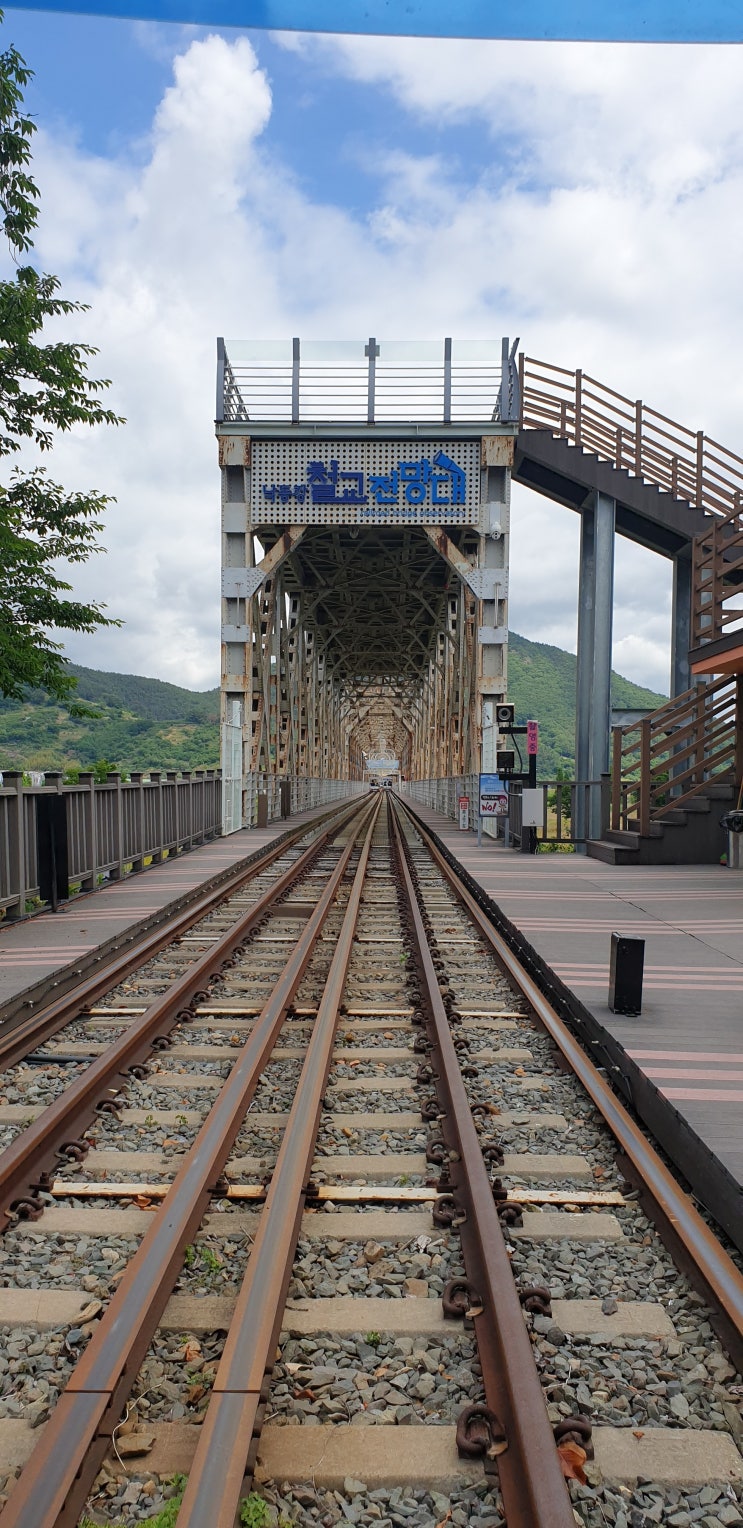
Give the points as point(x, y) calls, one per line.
point(562, 803)
point(108, 829)
point(300, 794)
point(688, 464)
point(368, 382)
point(662, 761)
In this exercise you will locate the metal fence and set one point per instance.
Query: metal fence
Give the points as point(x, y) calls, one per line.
point(110, 828)
point(364, 382)
point(567, 803)
point(302, 795)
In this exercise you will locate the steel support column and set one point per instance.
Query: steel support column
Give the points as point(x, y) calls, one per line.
point(681, 624)
point(593, 686)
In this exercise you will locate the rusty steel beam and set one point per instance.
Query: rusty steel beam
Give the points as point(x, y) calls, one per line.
point(709, 1265)
point(33, 1030)
point(63, 1122)
point(530, 1474)
point(54, 1485)
point(215, 1482)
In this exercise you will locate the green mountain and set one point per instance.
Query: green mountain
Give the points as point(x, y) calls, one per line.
point(146, 724)
point(143, 724)
point(541, 684)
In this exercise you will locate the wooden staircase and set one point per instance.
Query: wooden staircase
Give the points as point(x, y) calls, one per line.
point(674, 772)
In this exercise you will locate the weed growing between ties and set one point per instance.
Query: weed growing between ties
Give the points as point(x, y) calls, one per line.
point(167, 1517)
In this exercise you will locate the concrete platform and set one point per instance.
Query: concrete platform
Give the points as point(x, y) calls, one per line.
point(47, 944)
point(681, 1060)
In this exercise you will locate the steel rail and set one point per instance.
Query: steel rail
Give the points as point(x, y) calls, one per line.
point(531, 1479)
point(216, 1476)
point(54, 1485)
point(62, 1123)
point(33, 1029)
point(705, 1259)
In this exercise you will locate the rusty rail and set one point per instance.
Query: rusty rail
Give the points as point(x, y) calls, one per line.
point(62, 1124)
point(25, 1033)
point(52, 1489)
point(529, 1470)
point(216, 1477)
point(711, 1269)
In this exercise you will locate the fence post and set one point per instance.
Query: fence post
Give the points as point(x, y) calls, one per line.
point(638, 438)
point(13, 778)
point(578, 406)
point(616, 777)
point(113, 777)
point(86, 778)
point(135, 784)
point(171, 776)
point(739, 730)
point(700, 469)
point(157, 852)
point(645, 725)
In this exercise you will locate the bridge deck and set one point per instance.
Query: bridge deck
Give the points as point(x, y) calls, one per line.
point(688, 1041)
point(34, 949)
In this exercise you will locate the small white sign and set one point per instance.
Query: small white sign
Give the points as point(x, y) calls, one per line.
point(464, 812)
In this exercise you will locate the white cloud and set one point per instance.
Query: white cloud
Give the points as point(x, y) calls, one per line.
point(602, 222)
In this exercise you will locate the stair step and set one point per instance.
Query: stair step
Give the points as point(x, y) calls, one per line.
point(611, 854)
point(633, 826)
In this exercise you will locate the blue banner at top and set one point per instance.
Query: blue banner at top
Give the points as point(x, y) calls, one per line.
point(712, 21)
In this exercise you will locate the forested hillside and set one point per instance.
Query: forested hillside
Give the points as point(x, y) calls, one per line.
point(541, 683)
point(146, 724)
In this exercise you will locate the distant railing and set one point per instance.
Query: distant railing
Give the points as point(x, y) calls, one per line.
point(366, 383)
point(562, 799)
point(685, 463)
point(104, 830)
point(301, 794)
point(662, 761)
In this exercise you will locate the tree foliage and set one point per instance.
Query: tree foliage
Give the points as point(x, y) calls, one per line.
point(44, 389)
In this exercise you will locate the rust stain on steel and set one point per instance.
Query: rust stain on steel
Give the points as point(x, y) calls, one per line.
point(497, 450)
point(531, 1479)
point(52, 1489)
point(713, 1269)
point(33, 1150)
point(16, 1043)
point(234, 450)
point(216, 1477)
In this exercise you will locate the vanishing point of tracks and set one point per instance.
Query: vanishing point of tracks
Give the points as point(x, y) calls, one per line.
point(342, 1215)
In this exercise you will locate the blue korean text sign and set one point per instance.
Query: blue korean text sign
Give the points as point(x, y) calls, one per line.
point(431, 483)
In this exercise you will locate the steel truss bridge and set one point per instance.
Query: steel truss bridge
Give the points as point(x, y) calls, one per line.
point(365, 518)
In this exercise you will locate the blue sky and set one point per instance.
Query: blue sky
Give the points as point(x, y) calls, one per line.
point(588, 198)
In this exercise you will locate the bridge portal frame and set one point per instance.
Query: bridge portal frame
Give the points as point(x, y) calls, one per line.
point(286, 710)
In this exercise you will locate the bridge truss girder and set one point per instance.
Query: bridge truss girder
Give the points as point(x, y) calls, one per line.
point(341, 638)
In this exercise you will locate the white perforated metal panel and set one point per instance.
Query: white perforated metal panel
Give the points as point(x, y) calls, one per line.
point(359, 482)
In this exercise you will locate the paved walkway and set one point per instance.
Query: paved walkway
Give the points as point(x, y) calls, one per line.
point(689, 1038)
point(38, 946)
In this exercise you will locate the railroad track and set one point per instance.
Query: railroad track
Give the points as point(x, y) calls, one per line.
point(348, 1239)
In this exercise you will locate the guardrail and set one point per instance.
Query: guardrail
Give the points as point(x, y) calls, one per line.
point(366, 382)
point(685, 463)
point(300, 794)
point(56, 836)
point(661, 762)
point(562, 802)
